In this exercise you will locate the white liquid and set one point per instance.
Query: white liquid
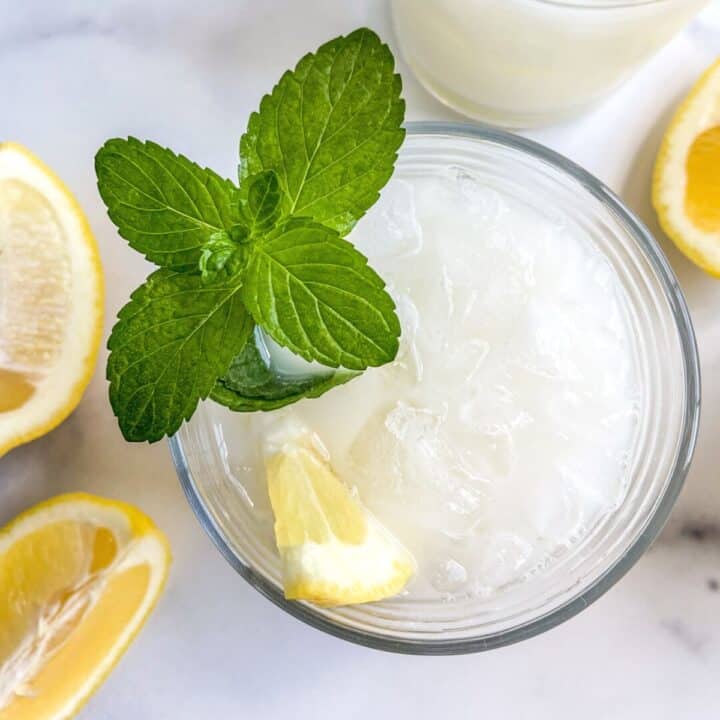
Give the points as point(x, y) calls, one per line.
point(526, 62)
point(500, 434)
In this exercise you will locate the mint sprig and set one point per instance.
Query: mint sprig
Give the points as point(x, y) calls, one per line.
point(269, 253)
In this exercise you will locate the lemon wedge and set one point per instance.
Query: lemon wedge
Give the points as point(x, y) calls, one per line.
point(51, 299)
point(78, 577)
point(686, 182)
point(333, 550)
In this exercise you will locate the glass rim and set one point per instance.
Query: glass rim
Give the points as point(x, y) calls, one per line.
point(686, 445)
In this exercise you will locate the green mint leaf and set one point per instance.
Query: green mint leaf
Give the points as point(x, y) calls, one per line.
point(239, 233)
point(330, 130)
point(165, 206)
point(250, 383)
point(172, 341)
point(314, 293)
point(215, 255)
point(261, 200)
point(238, 402)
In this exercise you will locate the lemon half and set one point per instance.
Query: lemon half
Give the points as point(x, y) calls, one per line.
point(333, 550)
point(78, 577)
point(51, 299)
point(686, 182)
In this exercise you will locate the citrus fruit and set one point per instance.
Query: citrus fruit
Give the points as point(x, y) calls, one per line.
point(78, 577)
point(686, 182)
point(333, 550)
point(51, 299)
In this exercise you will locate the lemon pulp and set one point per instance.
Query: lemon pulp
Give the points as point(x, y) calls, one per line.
point(79, 576)
point(686, 179)
point(702, 192)
point(51, 293)
point(310, 503)
point(34, 276)
point(333, 551)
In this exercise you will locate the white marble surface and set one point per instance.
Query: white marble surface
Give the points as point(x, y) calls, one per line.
point(188, 73)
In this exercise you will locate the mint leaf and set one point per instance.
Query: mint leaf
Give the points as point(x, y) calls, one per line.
point(215, 255)
point(314, 293)
point(330, 130)
point(219, 253)
point(250, 383)
point(165, 206)
point(237, 402)
point(261, 200)
point(172, 341)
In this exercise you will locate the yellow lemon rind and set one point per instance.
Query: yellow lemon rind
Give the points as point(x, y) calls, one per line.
point(663, 166)
point(81, 382)
point(334, 551)
point(138, 524)
point(328, 594)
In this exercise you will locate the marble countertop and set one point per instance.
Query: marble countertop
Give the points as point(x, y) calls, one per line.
point(189, 73)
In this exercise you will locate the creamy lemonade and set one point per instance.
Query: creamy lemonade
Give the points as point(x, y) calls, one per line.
point(500, 434)
point(525, 62)
point(428, 387)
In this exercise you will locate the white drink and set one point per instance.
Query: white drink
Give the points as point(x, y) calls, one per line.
point(525, 62)
point(500, 434)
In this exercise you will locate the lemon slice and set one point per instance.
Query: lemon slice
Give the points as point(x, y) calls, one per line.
point(51, 298)
point(686, 183)
point(78, 577)
point(334, 551)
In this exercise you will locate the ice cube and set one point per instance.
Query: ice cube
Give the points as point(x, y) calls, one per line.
point(409, 357)
point(390, 230)
point(483, 202)
point(504, 558)
point(399, 449)
point(375, 455)
point(449, 576)
point(413, 426)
